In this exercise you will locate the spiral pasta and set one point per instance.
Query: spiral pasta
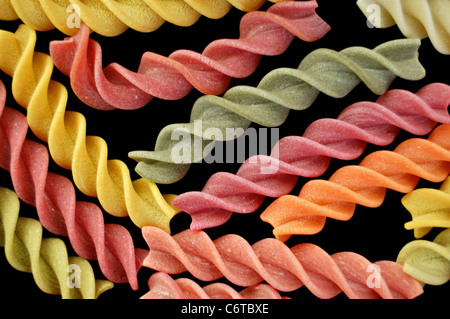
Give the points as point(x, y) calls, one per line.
point(344, 138)
point(415, 18)
point(65, 132)
point(54, 198)
point(173, 77)
point(427, 261)
point(429, 208)
point(45, 258)
point(269, 103)
point(111, 18)
point(363, 184)
point(162, 286)
point(284, 268)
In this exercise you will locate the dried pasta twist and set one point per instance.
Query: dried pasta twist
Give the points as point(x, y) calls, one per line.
point(55, 200)
point(270, 260)
point(427, 261)
point(415, 18)
point(173, 77)
point(45, 258)
point(268, 104)
point(111, 18)
point(65, 132)
point(344, 138)
point(364, 184)
point(429, 208)
point(162, 286)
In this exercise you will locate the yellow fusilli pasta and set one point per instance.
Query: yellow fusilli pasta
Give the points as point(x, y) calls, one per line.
point(111, 18)
point(427, 261)
point(429, 208)
point(65, 132)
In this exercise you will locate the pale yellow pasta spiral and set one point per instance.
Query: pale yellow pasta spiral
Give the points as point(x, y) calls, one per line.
point(415, 18)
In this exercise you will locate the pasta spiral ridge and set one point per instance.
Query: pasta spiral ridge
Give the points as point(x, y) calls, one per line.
point(46, 258)
point(65, 132)
point(309, 155)
point(427, 261)
point(169, 78)
point(270, 260)
point(269, 103)
point(364, 184)
point(429, 208)
point(112, 18)
point(58, 210)
point(162, 286)
point(415, 18)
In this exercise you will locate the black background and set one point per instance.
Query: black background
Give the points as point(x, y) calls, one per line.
point(377, 234)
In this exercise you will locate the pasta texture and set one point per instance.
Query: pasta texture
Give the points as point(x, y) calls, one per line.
point(45, 258)
point(269, 103)
point(429, 208)
point(266, 33)
point(364, 184)
point(427, 261)
point(111, 18)
point(162, 286)
point(58, 210)
point(415, 18)
point(284, 268)
point(65, 132)
point(309, 155)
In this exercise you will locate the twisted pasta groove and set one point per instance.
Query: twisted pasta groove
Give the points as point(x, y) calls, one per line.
point(344, 138)
point(45, 258)
point(65, 132)
point(173, 77)
point(54, 198)
point(269, 103)
point(363, 184)
point(284, 268)
point(427, 261)
point(111, 18)
point(162, 286)
point(415, 18)
point(429, 208)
